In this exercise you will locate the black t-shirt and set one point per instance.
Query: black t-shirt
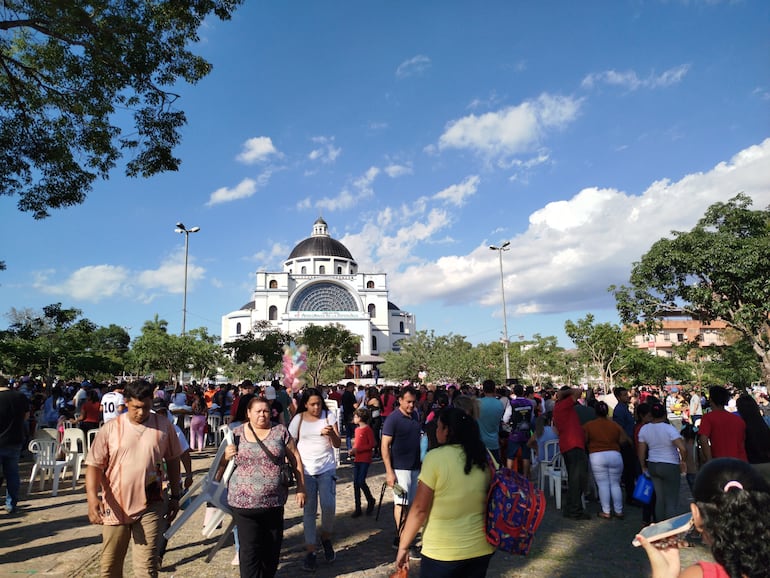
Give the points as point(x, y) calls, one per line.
point(13, 407)
point(348, 405)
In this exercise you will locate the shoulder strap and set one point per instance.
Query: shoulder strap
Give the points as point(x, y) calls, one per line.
point(299, 426)
point(275, 459)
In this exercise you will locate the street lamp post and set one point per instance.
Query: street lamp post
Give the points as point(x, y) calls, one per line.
point(504, 247)
point(180, 228)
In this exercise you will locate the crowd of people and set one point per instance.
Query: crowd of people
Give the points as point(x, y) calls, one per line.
point(436, 444)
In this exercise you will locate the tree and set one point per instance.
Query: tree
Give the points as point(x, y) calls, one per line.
point(718, 270)
point(327, 345)
point(541, 357)
point(600, 344)
point(68, 68)
point(56, 342)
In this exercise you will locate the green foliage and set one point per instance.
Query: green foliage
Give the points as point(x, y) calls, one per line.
point(600, 344)
point(71, 72)
point(260, 350)
point(56, 342)
point(718, 270)
point(327, 345)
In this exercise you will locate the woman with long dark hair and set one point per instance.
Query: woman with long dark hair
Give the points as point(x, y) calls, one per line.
point(757, 435)
point(451, 503)
point(730, 502)
point(314, 428)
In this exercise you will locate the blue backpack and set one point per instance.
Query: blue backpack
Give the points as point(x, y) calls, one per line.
point(515, 508)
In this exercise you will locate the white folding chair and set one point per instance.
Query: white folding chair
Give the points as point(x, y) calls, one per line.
point(47, 433)
point(47, 463)
point(211, 491)
point(75, 446)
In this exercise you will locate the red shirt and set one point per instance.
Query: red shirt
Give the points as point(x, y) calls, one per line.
point(90, 412)
point(364, 443)
point(727, 434)
point(566, 420)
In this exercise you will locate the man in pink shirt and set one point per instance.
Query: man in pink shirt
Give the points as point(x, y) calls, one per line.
point(125, 462)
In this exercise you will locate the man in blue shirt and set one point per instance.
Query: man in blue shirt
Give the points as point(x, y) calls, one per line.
point(490, 416)
point(622, 416)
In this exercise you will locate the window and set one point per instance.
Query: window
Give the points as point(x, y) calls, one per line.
point(324, 297)
point(372, 310)
point(339, 270)
point(238, 328)
point(273, 313)
point(400, 326)
point(303, 271)
point(322, 270)
point(370, 284)
point(374, 343)
point(680, 337)
point(273, 284)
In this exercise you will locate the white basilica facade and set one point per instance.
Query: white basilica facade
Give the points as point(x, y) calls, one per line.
point(320, 284)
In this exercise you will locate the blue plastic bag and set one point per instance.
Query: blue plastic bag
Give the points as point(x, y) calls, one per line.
point(643, 489)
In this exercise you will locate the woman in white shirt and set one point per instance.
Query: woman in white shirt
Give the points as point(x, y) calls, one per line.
point(314, 428)
point(665, 462)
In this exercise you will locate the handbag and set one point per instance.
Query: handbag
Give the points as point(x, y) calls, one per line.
point(286, 472)
point(643, 489)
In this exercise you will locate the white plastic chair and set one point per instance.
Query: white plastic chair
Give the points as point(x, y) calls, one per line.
point(211, 491)
point(46, 463)
point(556, 475)
point(214, 421)
point(47, 433)
point(75, 446)
point(91, 436)
point(550, 451)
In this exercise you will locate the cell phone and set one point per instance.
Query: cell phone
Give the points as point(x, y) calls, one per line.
point(665, 529)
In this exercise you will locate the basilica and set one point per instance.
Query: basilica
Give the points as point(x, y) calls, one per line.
point(320, 284)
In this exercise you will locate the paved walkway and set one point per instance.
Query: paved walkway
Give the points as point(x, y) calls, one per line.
point(52, 537)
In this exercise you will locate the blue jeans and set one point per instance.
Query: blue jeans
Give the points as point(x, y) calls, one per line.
point(471, 568)
point(9, 460)
point(360, 469)
point(320, 488)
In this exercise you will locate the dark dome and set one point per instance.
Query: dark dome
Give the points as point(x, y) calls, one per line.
point(318, 246)
point(249, 305)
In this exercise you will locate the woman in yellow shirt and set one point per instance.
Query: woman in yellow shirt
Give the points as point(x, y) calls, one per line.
point(451, 503)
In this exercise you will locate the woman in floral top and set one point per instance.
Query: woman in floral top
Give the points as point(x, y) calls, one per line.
point(255, 493)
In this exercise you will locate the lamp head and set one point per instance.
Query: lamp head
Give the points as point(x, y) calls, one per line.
point(178, 230)
point(179, 225)
point(195, 229)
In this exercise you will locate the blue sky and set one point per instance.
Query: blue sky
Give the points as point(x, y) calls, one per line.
point(423, 132)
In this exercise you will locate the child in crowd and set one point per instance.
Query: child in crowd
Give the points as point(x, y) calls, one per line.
point(363, 448)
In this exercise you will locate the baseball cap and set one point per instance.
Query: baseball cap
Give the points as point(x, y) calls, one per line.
point(159, 405)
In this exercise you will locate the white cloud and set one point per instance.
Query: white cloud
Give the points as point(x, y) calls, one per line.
point(243, 190)
point(257, 149)
point(395, 170)
point(512, 130)
point(631, 81)
point(326, 153)
point(456, 194)
point(413, 66)
point(347, 199)
point(91, 283)
point(575, 248)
